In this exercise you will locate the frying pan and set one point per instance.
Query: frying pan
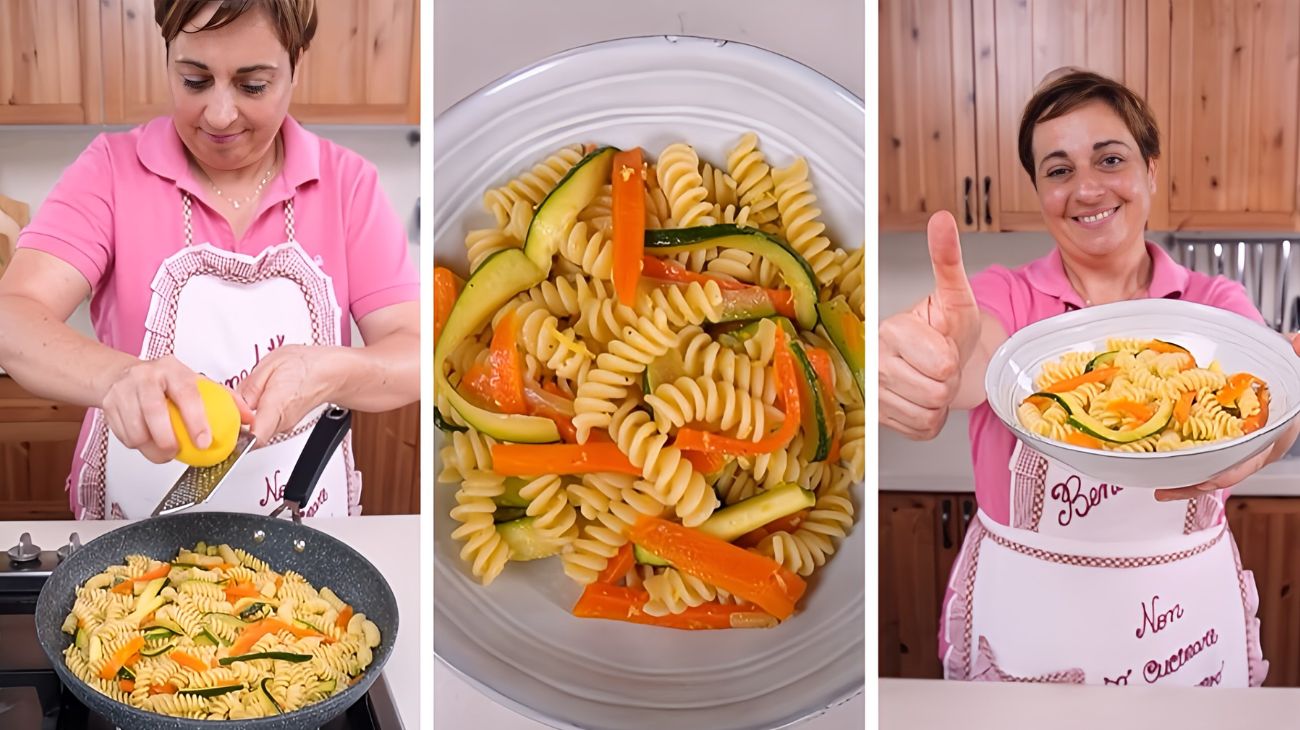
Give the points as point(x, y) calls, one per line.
point(283, 544)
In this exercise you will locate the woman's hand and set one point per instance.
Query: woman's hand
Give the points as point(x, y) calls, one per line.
point(287, 384)
point(135, 407)
point(922, 351)
point(1239, 472)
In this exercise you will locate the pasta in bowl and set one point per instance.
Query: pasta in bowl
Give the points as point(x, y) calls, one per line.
point(652, 94)
point(1151, 393)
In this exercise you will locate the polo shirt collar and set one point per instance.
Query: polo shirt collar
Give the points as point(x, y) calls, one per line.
point(161, 151)
point(1047, 275)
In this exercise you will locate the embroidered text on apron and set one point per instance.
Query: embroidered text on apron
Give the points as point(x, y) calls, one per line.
point(220, 313)
point(1093, 583)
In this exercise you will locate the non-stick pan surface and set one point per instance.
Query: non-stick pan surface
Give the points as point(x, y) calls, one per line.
point(323, 560)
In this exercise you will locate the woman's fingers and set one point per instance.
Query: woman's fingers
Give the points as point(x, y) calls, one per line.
point(916, 421)
point(153, 411)
point(183, 391)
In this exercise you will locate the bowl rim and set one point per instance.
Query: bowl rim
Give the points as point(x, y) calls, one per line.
point(1002, 356)
point(457, 107)
point(452, 115)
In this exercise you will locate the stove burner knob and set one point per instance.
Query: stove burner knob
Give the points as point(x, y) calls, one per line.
point(74, 544)
point(24, 551)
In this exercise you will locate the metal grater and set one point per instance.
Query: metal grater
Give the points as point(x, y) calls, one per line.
point(198, 483)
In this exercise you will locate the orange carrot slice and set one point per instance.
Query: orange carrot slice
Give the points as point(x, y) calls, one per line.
point(1140, 411)
point(627, 183)
point(158, 571)
point(1183, 408)
point(118, 658)
point(1254, 422)
point(1093, 376)
point(618, 566)
point(519, 460)
point(446, 287)
point(754, 577)
point(1079, 438)
point(344, 617)
point(189, 661)
point(506, 368)
point(618, 603)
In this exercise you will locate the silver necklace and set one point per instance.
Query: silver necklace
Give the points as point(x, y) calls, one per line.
point(257, 191)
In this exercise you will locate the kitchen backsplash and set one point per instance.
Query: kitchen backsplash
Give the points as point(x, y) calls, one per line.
point(906, 276)
point(33, 157)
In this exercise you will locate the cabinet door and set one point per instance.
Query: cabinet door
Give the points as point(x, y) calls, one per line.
point(926, 113)
point(362, 66)
point(49, 62)
point(1016, 44)
point(1224, 87)
point(920, 536)
point(1268, 535)
point(387, 452)
point(37, 441)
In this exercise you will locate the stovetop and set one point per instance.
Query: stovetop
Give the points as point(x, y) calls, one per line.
point(31, 695)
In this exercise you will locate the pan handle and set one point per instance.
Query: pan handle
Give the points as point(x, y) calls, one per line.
point(325, 438)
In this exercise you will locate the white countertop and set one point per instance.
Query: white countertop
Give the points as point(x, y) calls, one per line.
point(930, 704)
point(472, 47)
point(386, 541)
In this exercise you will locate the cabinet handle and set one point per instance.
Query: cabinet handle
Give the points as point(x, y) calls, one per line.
point(967, 511)
point(988, 209)
point(969, 219)
point(945, 518)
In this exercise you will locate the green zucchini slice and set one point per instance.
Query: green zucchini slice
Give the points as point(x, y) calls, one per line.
point(1096, 429)
point(560, 208)
point(1102, 360)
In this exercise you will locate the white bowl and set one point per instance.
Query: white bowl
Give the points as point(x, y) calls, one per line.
point(516, 639)
point(1209, 333)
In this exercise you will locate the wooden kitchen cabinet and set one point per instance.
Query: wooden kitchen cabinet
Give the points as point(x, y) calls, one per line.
point(38, 438)
point(1224, 85)
point(920, 537)
point(91, 61)
point(954, 78)
point(1267, 530)
point(49, 62)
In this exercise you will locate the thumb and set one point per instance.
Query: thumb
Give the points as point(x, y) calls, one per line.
point(952, 298)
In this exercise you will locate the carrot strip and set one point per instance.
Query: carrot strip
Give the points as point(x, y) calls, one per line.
point(518, 460)
point(505, 367)
point(163, 689)
point(627, 183)
point(618, 566)
point(189, 661)
point(1093, 376)
point(159, 571)
point(1079, 438)
point(789, 524)
point(1141, 411)
point(1253, 423)
point(751, 576)
point(237, 591)
point(123, 588)
point(1183, 408)
point(618, 603)
point(653, 267)
point(787, 384)
point(117, 659)
point(821, 363)
point(1165, 347)
point(126, 685)
point(344, 617)
point(1237, 385)
point(705, 462)
point(446, 287)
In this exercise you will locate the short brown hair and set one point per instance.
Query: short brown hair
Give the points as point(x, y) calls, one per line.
point(294, 20)
point(1063, 94)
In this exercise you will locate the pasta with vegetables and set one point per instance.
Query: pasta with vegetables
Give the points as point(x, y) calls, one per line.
point(1142, 395)
point(650, 353)
point(214, 634)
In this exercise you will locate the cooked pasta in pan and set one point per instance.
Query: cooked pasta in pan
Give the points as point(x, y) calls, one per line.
point(719, 389)
point(1142, 395)
point(214, 634)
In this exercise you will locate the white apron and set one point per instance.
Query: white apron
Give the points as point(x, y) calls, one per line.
point(1093, 583)
point(220, 313)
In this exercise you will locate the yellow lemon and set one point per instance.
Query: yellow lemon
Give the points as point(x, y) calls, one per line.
point(223, 424)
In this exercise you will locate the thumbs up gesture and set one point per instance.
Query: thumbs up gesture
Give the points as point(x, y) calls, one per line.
point(923, 350)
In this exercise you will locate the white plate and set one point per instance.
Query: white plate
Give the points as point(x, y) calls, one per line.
point(516, 639)
point(1209, 333)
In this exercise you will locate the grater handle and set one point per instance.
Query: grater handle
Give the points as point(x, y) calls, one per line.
point(325, 438)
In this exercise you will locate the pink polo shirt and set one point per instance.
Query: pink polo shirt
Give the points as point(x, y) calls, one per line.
point(1038, 290)
point(116, 213)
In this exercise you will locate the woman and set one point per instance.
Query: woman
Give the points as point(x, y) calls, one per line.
point(1134, 589)
point(224, 241)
